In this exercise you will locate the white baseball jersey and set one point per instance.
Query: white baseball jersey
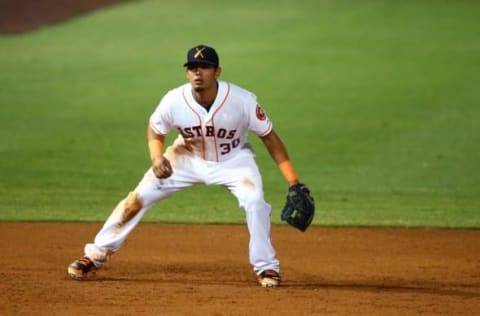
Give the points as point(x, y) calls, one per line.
point(219, 133)
point(213, 141)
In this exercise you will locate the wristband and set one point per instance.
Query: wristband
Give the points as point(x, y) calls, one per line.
point(286, 168)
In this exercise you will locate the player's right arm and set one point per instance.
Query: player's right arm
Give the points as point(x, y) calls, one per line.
point(160, 164)
point(159, 126)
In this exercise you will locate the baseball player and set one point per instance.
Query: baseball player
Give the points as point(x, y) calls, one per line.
point(213, 118)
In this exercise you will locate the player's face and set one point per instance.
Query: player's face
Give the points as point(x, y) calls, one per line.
point(202, 76)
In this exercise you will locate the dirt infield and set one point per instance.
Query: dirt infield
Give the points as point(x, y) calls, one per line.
point(204, 270)
point(28, 15)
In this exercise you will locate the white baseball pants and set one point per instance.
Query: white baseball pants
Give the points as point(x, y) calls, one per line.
point(240, 175)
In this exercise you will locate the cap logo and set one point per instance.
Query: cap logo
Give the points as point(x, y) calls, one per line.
point(199, 52)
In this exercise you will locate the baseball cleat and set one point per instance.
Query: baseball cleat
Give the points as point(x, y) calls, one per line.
point(269, 278)
point(81, 269)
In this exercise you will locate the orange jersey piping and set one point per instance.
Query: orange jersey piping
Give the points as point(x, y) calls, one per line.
point(213, 120)
point(199, 120)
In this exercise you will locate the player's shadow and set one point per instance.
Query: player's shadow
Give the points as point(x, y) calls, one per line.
point(392, 286)
point(221, 273)
point(205, 273)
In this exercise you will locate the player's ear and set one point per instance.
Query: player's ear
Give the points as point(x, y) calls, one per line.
point(218, 71)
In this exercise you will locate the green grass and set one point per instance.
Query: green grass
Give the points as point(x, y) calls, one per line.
point(377, 102)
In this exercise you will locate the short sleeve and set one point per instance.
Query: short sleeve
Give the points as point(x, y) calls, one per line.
point(259, 122)
point(160, 120)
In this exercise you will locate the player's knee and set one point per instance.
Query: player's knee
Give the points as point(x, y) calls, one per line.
point(256, 204)
point(133, 205)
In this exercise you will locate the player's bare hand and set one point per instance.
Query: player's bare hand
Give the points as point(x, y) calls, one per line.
point(161, 167)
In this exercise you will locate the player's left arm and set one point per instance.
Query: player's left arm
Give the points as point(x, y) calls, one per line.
point(279, 154)
point(299, 209)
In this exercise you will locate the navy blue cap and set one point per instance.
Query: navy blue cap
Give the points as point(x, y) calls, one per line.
point(202, 54)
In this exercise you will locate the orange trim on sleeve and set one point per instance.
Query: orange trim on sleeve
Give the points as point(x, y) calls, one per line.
point(287, 170)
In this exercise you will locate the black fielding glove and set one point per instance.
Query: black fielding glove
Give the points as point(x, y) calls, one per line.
point(299, 208)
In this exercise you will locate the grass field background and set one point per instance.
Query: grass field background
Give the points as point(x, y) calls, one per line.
point(377, 102)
